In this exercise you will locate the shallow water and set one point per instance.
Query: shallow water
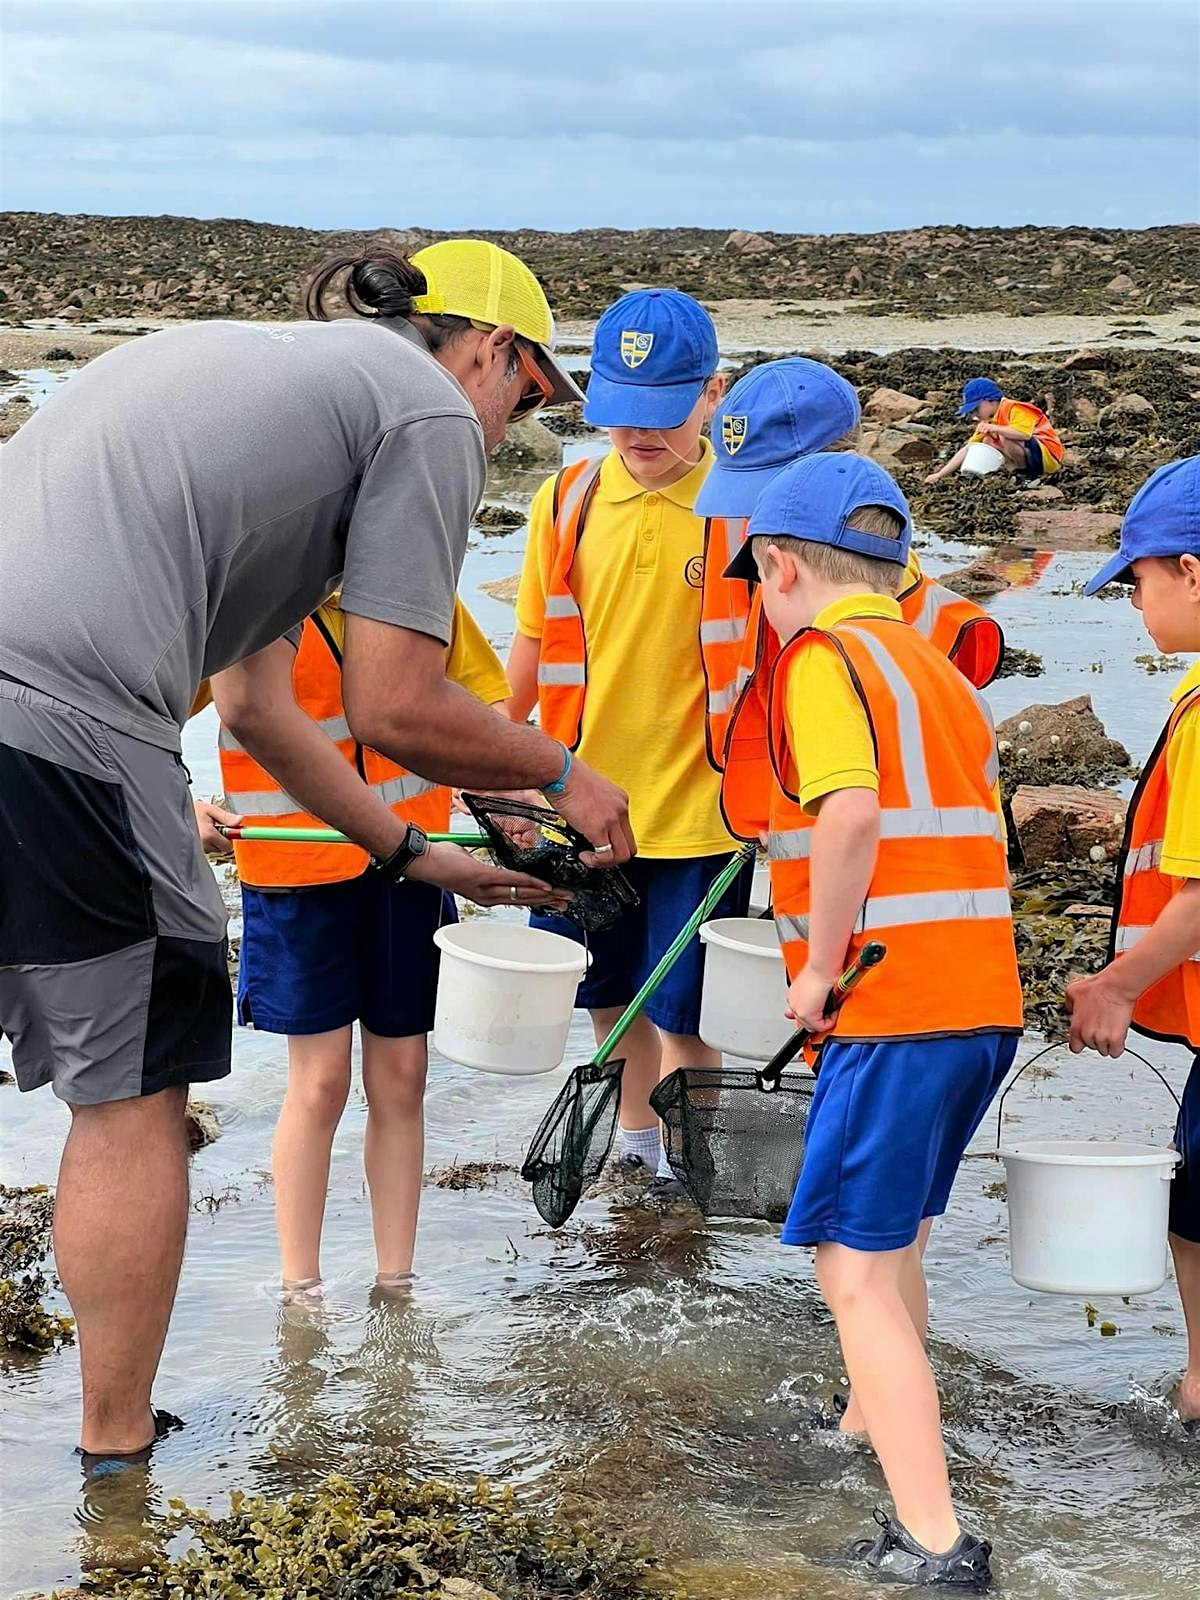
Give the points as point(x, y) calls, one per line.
point(648, 1368)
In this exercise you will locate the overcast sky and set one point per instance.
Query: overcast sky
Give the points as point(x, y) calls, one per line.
point(799, 115)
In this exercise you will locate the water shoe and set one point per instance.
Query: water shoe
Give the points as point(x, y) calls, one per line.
point(896, 1557)
point(99, 1463)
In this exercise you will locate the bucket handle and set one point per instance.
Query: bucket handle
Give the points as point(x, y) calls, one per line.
point(1011, 1084)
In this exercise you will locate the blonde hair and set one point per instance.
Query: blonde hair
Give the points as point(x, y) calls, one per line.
point(835, 564)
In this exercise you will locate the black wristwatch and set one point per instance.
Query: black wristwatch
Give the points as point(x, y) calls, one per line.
point(410, 849)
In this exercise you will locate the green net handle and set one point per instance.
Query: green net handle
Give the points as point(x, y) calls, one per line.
point(678, 945)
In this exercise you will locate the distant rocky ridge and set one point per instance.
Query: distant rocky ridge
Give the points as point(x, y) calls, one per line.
point(86, 267)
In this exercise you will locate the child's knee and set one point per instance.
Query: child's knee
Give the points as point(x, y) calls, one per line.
point(847, 1278)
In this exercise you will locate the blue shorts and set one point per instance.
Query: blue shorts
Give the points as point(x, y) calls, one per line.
point(625, 955)
point(1035, 462)
point(318, 959)
point(887, 1130)
point(1185, 1190)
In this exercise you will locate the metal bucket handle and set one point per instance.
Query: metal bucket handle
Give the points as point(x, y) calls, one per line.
point(1011, 1084)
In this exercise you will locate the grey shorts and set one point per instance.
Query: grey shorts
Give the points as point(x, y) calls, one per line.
point(113, 978)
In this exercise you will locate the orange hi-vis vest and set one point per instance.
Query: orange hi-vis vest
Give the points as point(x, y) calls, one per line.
point(938, 898)
point(957, 627)
point(562, 659)
point(1043, 431)
point(1170, 1008)
point(253, 793)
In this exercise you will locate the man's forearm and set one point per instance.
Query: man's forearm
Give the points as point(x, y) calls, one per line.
point(319, 778)
point(453, 739)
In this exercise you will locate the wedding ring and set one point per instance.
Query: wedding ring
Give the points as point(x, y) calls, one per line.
point(603, 850)
point(512, 894)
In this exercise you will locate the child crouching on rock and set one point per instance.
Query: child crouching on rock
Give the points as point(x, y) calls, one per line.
point(885, 825)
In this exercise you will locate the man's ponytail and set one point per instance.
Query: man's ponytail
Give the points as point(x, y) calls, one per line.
point(377, 284)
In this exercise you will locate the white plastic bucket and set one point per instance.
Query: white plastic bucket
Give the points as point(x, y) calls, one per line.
point(981, 459)
point(1088, 1216)
point(505, 996)
point(745, 989)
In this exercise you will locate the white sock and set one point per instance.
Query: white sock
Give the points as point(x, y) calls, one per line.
point(645, 1143)
point(664, 1166)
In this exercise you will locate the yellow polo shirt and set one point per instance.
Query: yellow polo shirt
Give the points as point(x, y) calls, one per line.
point(1181, 835)
point(828, 731)
point(637, 577)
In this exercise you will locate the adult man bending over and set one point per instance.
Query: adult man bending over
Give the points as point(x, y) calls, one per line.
point(182, 502)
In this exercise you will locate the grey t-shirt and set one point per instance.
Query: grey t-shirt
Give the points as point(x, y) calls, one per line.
point(191, 496)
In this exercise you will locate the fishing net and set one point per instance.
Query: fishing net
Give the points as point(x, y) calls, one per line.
point(736, 1148)
point(573, 1143)
point(536, 840)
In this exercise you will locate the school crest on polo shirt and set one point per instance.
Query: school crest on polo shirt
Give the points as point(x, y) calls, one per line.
point(635, 347)
point(733, 434)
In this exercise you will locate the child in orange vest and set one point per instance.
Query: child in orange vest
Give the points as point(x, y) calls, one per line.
point(1023, 434)
point(329, 940)
point(884, 825)
point(617, 631)
point(1153, 982)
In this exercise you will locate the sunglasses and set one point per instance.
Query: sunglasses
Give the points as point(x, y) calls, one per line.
point(538, 390)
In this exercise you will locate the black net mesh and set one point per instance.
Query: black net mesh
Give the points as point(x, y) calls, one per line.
point(571, 1146)
point(736, 1148)
point(536, 840)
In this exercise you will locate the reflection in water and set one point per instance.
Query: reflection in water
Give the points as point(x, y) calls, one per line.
point(119, 1515)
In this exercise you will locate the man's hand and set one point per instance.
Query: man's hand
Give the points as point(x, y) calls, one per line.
point(1100, 1014)
point(207, 816)
point(459, 872)
point(600, 811)
point(808, 1000)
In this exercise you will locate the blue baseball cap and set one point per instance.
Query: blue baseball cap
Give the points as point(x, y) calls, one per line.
point(978, 389)
point(1163, 520)
point(815, 497)
point(653, 352)
point(778, 412)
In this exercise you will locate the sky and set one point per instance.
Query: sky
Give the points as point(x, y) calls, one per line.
point(811, 116)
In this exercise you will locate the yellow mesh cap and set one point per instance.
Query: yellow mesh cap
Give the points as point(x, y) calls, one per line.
point(475, 279)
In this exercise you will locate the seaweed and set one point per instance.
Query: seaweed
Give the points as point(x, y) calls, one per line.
point(1019, 663)
point(26, 1224)
point(1054, 947)
point(395, 1538)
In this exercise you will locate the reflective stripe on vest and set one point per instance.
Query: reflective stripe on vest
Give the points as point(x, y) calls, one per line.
point(938, 896)
point(250, 791)
point(562, 657)
point(958, 627)
point(1170, 1008)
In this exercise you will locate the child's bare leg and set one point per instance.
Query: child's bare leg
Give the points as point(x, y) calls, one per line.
point(639, 1050)
point(394, 1144)
point(1187, 1274)
point(915, 1295)
point(891, 1377)
point(685, 1050)
point(318, 1084)
point(1013, 451)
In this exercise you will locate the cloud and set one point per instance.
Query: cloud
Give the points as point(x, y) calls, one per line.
point(607, 113)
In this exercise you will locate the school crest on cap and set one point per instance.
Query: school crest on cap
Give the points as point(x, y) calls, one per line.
point(635, 347)
point(733, 434)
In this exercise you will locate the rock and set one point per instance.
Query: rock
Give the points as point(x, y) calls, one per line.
point(1042, 493)
point(1089, 359)
point(749, 244)
point(60, 353)
point(1067, 527)
point(898, 446)
point(499, 518)
point(8, 377)
point(1128, 408)
point(852, 283)
point(528, 445)
point(466, 1589)
point(201, 1123)
point(503, 588)
point(1069, 732)
point(1064, 822)
point(1086, 410)
point(978, 581)
point(1121, 284)
point(890, 405)
point(12, 414)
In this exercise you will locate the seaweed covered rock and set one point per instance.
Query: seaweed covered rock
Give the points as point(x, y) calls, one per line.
point(1062, 914)
point(202, 1125)
point(1064, 743)
point(498, 519)
point(394, 1539)
point(26, 1224)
